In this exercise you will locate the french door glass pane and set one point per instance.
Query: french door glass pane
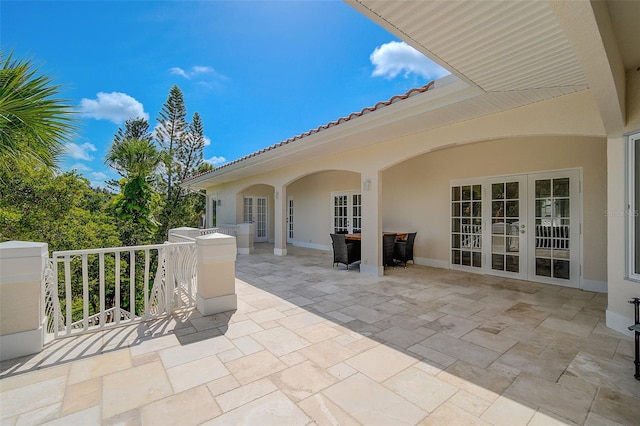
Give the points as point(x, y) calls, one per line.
point(290, 222)
point(505, 220)
point(248, 210)
point(466, 225)
point(356, 208)
point(552, 221)
point(261, 214)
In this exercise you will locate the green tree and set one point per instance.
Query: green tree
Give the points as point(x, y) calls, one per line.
point(134, 155)
point(171, 133)
point(33, 121)
point(183, 145)
point(134, 128)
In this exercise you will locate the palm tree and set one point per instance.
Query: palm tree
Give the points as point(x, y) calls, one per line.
point(33, 122)
point(133, 157)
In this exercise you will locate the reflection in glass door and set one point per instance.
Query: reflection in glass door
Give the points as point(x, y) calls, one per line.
point(508, 209)
point(555, 231)
point(466, 225)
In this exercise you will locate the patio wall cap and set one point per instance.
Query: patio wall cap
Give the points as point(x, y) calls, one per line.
point(216, 238)
point(17, 249)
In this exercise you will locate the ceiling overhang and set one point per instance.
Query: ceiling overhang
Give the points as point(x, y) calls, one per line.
point(502, 54)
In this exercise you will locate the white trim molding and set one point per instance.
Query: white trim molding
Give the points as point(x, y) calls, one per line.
point(619, 323)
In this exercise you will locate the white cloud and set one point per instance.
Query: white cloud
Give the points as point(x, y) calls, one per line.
point(80, 152)
point(114, 106)
point(216, 161)
point(207, 141)
point(179, 71)
point(395, 57)
point(197, 71)
point(80, 167)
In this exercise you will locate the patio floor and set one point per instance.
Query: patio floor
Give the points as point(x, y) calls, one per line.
point(310, 344)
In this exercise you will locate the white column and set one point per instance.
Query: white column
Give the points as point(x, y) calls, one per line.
point(22, 321)
point(216, 257)
point(280, 221)
point(371, 263)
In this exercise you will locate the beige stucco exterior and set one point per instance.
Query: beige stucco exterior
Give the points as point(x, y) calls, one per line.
point(498, 114)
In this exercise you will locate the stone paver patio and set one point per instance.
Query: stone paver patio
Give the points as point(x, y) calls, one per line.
point(310, 344)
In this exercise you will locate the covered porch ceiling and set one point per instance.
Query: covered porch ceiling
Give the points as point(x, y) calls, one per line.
point(502, 55)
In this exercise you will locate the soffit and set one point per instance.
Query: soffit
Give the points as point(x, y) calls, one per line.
point(496, 45)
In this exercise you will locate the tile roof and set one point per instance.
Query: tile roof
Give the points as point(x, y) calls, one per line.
point(341, 120)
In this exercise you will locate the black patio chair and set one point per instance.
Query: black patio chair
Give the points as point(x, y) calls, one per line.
point(403, 249)
point(343, 251)
point(388, 242)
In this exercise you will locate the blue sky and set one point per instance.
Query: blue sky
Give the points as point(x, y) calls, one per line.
point(257, 72)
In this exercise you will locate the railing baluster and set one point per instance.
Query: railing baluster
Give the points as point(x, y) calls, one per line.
point(132, 284)
point(117, 284)
point(85, 292)
point(102, 291)
point(168, 280)
point(147, 255)
point(56, 309)
point(67, 289)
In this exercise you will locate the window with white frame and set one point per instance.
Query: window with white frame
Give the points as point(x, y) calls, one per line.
point(634, 205)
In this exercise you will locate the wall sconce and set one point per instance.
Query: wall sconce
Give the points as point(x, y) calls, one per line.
point(366, 185)
point(277, 195)
point(219, 203)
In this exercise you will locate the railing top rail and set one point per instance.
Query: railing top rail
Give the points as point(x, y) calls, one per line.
point(118, 249)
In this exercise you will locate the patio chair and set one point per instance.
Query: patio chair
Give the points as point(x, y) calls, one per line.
point(344, 252)
point(403, 249)
point(388, 247)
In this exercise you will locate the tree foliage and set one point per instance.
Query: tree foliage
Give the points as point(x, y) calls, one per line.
point(134, 155)
point(62, 210)
point(183, 145)
point(33, 121)
point(171, 134)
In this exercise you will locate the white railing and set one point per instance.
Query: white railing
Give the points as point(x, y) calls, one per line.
point(92, 289)
point(222, 229)
point(471, 236)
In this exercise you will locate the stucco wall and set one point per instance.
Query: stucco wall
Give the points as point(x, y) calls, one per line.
point(312, 204)
point(621, 289)
point(416, 192)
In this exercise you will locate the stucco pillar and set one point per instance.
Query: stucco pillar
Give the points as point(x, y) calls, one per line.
point(22, 321)
point(216, 257)
point(245, 235)
point(280, 221)
point(371, 263)
point(619, 314)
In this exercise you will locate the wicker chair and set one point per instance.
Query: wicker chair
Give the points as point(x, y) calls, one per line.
point(344, 252)
point(403, 249)
point(388, 242)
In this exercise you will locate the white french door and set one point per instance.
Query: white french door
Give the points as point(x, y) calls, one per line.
point(347, 212)
point(256, 211)
point(290, 220)
point(523, 226)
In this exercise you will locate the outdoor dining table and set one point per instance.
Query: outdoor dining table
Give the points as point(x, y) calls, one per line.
point(358, 237)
